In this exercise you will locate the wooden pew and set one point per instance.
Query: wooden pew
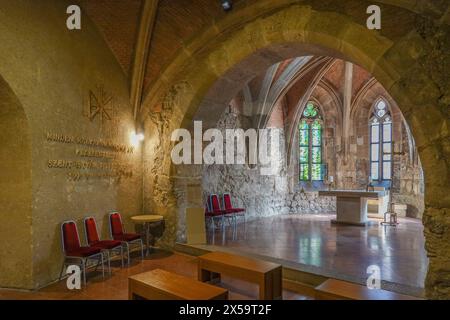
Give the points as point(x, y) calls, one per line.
point(266, 274)
point(164, 285)
point(333, 289)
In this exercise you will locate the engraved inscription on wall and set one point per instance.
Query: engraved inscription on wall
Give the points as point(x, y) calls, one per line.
point(91, 158)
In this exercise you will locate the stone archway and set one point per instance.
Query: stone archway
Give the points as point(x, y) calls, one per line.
point(15, 193)
point(290, 30)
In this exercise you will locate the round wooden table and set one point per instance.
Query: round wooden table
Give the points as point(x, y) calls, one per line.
point(147, 220)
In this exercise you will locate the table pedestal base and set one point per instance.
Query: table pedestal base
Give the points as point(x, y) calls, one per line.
point(351, 205)
point(351, 210)
point(150, 231)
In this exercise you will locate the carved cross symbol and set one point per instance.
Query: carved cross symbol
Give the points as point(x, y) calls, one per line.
point(101, 104)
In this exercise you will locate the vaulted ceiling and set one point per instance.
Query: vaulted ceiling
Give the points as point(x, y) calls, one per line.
point(118, 22)
point(176, 22)
point(147, 35)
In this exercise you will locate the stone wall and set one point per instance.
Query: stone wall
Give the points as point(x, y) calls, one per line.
point(71, 86)
point(283, 194)
point(407, 180)
point(15, 192)
point(261, 195)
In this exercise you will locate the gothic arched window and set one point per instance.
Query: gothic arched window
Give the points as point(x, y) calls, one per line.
point(380, 126)
point(310, 143)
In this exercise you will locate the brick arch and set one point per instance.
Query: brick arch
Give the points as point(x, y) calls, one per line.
point(329, 109)
point(332, 110)
point(379, 99)
point(303, 97)
point(362, 112)
point(364, 107)
point(301, 29)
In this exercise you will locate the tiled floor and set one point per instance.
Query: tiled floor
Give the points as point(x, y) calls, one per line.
point(335, 249)
point(116, 286)
point(310, 240)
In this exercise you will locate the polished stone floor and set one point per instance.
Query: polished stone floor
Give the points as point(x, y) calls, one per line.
point(334, 250)
point(115, 287)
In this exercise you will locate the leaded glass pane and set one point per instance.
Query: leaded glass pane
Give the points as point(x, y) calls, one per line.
point(375, 133)
point(304, 137)
point(316, 155)
point(304, 125)
point(387, 147)
point(375, 151)
point(381, 138)
point(381, 105)
point(374, 170)
point(386, 170)
point(310, 144)
point(310, 111)
point(304, 154)
point(304, 171)
point(316, 170)
point(387, 132)
point(316, 137)
point(316, 125)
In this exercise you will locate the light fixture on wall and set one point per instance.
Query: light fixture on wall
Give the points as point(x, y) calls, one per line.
point(136, 138)
point(227, 5)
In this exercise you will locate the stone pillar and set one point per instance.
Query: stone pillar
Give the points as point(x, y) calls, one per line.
point(347, 94)
point(437, 233)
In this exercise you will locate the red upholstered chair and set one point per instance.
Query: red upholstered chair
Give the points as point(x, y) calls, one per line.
point(127, 239)
point(209, 215)
point(109, 247)
point(214, 204)
point(218, 211)
point(74, 253)
point(226, 199)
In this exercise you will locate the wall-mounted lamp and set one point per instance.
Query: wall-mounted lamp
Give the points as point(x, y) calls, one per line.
point(136, 138)
point(227, 5)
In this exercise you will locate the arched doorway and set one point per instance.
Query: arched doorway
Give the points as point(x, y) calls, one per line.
point(288, 31)
point(286, 219)
point(15, 193)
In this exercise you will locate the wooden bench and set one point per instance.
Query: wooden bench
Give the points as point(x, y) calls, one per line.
point(333, 289)
point(164, 285)
point(266, 274)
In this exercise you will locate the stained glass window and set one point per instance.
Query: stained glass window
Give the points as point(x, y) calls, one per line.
point(380, 129)
point(310, 111)
point(310, 144)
